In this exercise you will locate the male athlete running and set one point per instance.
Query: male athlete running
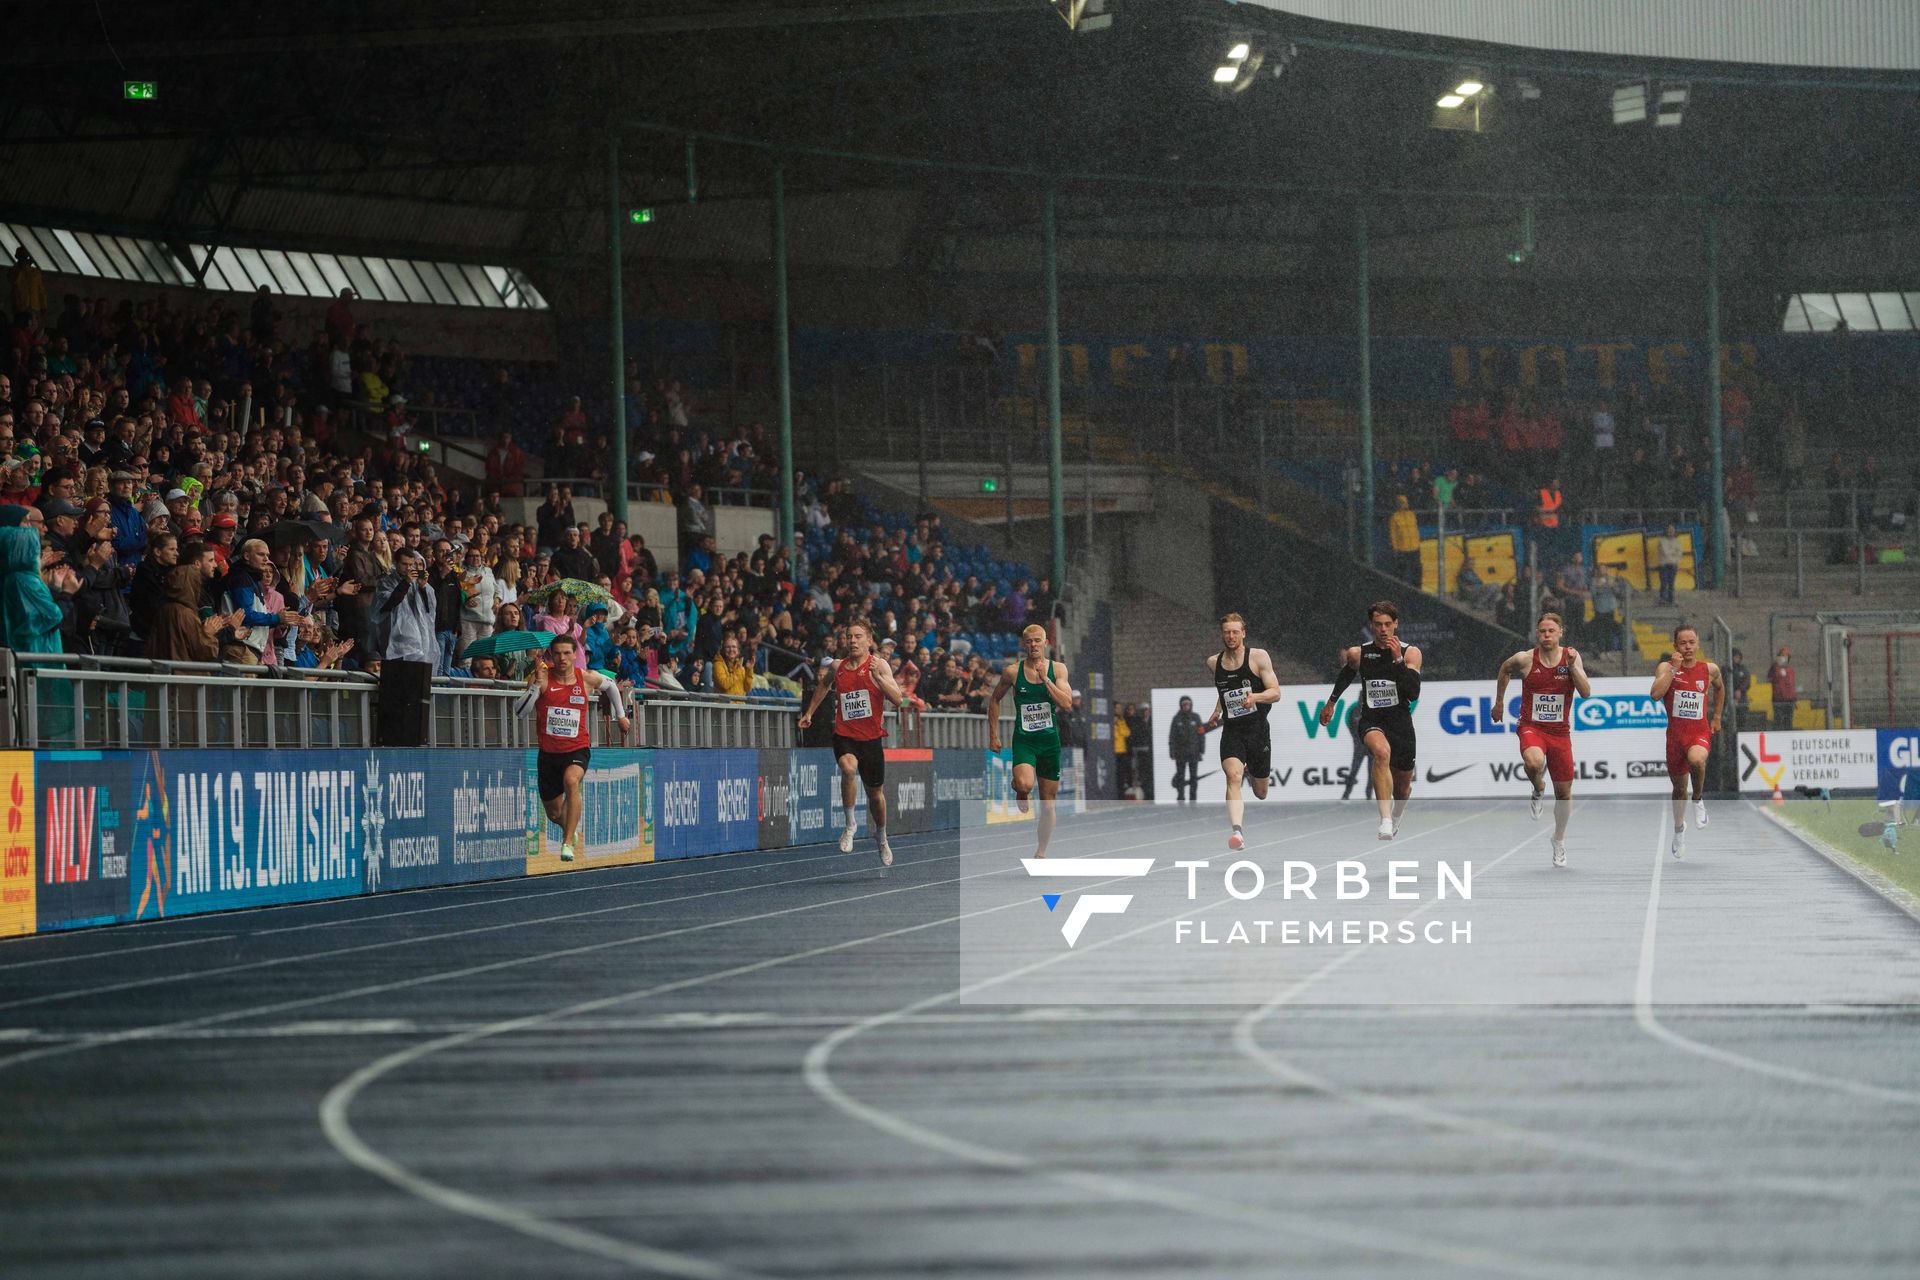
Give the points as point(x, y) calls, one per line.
point(858, 681)
point(1694, 694)
point(1040, 694)
point(1549, 677)
point(557, 693)
point(1389, 675)
point(1248, 688)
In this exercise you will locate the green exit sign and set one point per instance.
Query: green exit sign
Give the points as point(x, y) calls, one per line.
point(990, 485)
point(140, 90)
point(639, 216)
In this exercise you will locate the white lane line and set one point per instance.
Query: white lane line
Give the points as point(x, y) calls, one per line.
point(776, 860)
point(134, 984)
point(1650, 1023)
point(335, 1108)
point(283, 1006)
point(116, 953)
point(1282, 1067)
point(817, 1070)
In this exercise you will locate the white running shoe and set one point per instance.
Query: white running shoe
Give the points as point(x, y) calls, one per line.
point(1535, 805)
point(1559, 853)
point(566, 852)
point(846, 840)
point(1699, 813)
point(1679, 841)
point(886, 851)
point(1236, 841)
point(1387, 828)
point(1025, 805)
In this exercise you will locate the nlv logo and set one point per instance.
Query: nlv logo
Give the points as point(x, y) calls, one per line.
point(1087, 904)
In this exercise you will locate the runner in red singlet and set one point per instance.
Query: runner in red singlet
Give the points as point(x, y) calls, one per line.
point(559, 694)
point(1549, 677)
point(859, 680)
point(1694, 694)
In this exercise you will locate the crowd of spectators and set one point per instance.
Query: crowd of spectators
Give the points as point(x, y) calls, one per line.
point(173, 485)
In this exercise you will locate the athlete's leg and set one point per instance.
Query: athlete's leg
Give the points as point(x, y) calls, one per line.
point(1049, 788)
point(877, 811)
point(1562, 808)
point(1382, 752)
point(1022, 784)
point(1697, 774)
point(849, 770)
point(1259, 785)
point(1235, 769)
point(576, 807)
point(1402, 791)
point(1535, 761)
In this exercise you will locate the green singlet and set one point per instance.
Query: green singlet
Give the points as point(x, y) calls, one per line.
point(1036, 730)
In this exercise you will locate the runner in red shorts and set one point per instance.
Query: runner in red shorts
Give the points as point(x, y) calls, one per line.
point(1694, 694)
point(1549, 677)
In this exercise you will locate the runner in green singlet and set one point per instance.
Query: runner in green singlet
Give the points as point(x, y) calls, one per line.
point(1040, 695)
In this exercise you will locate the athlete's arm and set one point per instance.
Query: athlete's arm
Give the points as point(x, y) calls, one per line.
point(1219, 702)
point(1719, 687)
point(610, 693)
point(1060, 691)
point(1407, 677)
point(1000, 687)
point(1269, 690)
point(1663, 677)
point(883, 676)
point(1515, 666)
point(819, 695)
point(1578, 670)
point(1349, 668)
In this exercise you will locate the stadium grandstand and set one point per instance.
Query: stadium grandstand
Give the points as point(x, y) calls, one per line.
point(807, 469)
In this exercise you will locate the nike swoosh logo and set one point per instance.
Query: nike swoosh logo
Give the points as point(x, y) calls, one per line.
point(1442, 777)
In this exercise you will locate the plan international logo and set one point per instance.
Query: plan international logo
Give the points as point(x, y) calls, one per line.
point(1087, 905)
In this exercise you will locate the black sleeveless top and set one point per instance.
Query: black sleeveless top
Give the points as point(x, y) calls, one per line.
point(1234, 687)
point(1381, 702)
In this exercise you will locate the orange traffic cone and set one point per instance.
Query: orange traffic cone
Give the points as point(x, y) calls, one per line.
point(1777, 797)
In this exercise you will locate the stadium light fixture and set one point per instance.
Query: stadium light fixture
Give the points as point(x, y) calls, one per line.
point(1630, 102)
point(1467, 88)
point(1449, 101)
point(1226, 74)
point(1082, 16)
point(1239, 52)
point(1673, 105)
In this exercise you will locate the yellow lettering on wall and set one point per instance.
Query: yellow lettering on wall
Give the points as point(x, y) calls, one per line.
point(1738, 357)
point(1120, 360)
point(1530, 358)
point(1218, 356)
point(1662, 359)
point(1462, 363)
point(1028, 356)
point(1606, 360)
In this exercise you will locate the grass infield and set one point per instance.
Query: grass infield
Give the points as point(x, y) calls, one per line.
point(1839, 827)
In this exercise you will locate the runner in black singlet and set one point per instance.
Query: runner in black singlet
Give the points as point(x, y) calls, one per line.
point(1389, 678)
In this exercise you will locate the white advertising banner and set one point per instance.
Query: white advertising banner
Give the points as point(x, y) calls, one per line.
point(1789, 758)
point(1619, 743)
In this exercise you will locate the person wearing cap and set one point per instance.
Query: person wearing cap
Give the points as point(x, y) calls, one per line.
point(221, 531)
point(129, 525)
point(178, 504)
point(63, 527)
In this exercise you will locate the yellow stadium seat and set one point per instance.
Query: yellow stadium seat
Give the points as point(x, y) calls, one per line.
point(1806, 716)
point(1760, 699)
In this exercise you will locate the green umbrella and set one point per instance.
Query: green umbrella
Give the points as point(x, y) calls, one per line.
point(579, 589)
point(504, 642)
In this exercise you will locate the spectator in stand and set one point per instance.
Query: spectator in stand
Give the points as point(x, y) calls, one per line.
point(341, 329)
point(604, 544)
point(1604, 440)
point(506, 466)
point(1572, 583)
point(1013, 611)
point(1785, 688)
point(1470, 428)
point(403, 615)
point(244, 590)
point(696, 521)
point(553, 517)
point(571, 560)
point(1445, 487)
point(478, 593)
point(26, 287)
point(702, 557)
point(1666, 555)
point(1609, 592)
point(443, 576)
point(1403, 536)
point(1739, 685)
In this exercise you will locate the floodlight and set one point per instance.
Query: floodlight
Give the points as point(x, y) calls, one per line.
point(1673, 105)
point(1630, 102)
point(1449, 101)
point(1239, 52)
point(1467, 88)
point(1225, 74)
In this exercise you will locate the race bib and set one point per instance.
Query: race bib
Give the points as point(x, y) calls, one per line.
point(1237, 704)
point(1689, 704)
point(1036, 717)
point(1382, 693)
point(856, 704)
point(563, 722)
point(1549, 708)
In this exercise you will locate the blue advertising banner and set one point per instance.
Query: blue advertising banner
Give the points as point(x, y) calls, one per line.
point(1899, 755)
point(442, 817)
point(215, 830)
point(813, 795)
point(84, 804)
point(616, 822)
point(959, 789)
point(706, 802)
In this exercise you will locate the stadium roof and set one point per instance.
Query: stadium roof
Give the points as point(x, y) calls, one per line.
point(434, 129)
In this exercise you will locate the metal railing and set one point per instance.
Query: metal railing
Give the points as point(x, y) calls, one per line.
point(1640, 517)
point(1838, 546)
point(78, 702)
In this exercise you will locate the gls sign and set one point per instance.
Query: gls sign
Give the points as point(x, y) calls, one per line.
point(1602, 711)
